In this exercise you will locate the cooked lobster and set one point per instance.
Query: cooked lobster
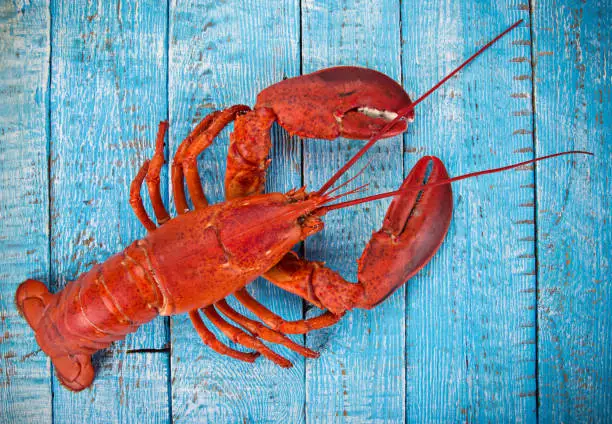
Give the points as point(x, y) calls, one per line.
point(192, 262)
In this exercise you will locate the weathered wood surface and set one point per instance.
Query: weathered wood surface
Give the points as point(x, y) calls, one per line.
point(471, 343)
point(25, 393)
point(108, 92)
point(510, 321)
point(224, 53)
point(573, 74)
point(360, 375)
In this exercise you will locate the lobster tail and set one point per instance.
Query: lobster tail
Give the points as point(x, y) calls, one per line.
point(103, 305)
point(74, 370)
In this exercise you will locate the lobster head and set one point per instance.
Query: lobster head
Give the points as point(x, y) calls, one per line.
point(345, 101)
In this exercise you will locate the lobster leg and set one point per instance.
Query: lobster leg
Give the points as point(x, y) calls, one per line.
point(238, 336)
point(178, 188)
point(152, 177)
point(197, 146)
point(278, 323)
point(136, 199)
point(150, 170)
point(260, 330)
point(211, 341)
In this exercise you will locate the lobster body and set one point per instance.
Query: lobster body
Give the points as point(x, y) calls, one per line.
point(194, 261)
point(204, 256)
point(101, 306)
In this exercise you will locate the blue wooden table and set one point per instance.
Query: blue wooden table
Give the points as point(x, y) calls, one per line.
point(510, 322)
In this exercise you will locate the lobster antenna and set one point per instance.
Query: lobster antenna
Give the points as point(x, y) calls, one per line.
point(347, 182)
point(418, 187)
point(404, 112)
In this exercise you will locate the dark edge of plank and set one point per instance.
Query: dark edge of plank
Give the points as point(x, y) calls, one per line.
point(168, 153)
point(404, 143)
point(210, 71)
point(572, 53)
point(49, 176)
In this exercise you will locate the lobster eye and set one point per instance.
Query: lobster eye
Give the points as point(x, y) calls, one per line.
point(310, 225)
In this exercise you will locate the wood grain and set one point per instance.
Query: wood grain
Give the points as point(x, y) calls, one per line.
point(25, 390)
point(512, 313)
point(573, 73)
point(223, 54)
point(108, 82)
point(360, 374)
point(471, 313)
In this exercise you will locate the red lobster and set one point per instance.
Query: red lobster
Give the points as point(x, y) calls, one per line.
point(194, 261)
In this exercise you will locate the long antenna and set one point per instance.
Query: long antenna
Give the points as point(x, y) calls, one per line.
point(418, 187)
point(404, 112)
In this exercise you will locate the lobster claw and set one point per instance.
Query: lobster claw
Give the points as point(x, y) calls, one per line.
point(345, 101)
point(412, 232)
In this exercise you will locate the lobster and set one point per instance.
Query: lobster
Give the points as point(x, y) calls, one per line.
point(194, 261)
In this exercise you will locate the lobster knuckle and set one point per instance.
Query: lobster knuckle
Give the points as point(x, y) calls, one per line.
point(153, 179)
point(295, 276)
point(242, 181)
point(333, 291)
point(251, 135)
point(288, 269)
point(189, 160)
point(247, 158)
point(346, 101)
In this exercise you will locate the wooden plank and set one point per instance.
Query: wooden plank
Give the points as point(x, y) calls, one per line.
point(108, 94)
point(224, 53)
point(360, 375)
point(573, 109)
point(471, 313)
point(25, 390)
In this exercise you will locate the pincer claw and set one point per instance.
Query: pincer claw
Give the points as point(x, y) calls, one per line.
point(345, 101)
point(412, 232)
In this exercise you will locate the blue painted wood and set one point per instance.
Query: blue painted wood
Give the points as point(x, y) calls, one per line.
point(463, 345)
point(108, 92)
point(25, 389)
point(471, 313)
point(360, 374)
point(573, 106)
point(223, 54)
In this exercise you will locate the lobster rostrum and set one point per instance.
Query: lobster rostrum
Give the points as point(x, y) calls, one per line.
point(193, 262)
